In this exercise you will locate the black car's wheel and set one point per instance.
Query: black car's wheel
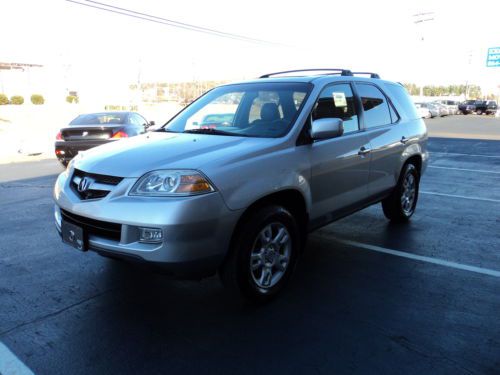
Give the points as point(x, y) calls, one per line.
point(479, 112)
point(401, 204)
point(263, 254)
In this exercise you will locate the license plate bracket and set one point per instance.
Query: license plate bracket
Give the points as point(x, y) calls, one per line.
point(74, 236)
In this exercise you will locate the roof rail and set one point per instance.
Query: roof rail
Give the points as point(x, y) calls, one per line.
point(372, 75)
point(343, 72)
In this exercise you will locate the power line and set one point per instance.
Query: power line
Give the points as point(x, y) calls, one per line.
point(168, 22)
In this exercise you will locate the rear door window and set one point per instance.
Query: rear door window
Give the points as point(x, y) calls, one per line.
point(375, 107)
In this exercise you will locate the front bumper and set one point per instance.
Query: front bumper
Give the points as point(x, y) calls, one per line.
point(196, 230)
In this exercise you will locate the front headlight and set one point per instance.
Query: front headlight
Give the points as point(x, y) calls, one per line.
point(172, 183)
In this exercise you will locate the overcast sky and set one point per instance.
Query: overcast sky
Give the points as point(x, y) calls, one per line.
point(92, 48)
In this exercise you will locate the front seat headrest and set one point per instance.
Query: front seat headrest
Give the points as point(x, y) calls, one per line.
point(269, 112)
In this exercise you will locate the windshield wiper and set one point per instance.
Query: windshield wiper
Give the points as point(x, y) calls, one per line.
point(165, 130)
point(212, 131)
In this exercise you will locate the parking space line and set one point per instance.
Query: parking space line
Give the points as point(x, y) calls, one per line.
point(464, 169)
point(460, 196)
point(403, 254)
point(10, 364)
point(459, 154)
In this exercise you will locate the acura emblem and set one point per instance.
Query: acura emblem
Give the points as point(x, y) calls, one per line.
point(84, 134)
point(84, 184)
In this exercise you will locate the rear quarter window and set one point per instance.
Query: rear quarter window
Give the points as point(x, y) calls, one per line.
point(400, 98)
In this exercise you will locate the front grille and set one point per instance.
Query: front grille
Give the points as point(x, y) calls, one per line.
point(90, 194)
point(105, 183)
point(99, 228)
point(101, 178)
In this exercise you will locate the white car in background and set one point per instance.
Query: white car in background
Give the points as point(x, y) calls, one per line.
point(451, 106)
point(443, 109)
point(422, 111)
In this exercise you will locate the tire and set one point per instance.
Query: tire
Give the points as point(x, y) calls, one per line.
point(397, 210)
point(261, 261)
point(479, 112)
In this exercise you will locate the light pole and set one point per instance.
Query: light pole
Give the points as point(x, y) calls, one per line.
point(419, 19)
point(467, 75)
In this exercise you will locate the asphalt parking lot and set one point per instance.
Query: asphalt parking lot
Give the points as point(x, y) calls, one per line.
point(369, 297)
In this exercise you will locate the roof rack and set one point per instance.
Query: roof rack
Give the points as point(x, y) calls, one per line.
point(372, 75)
point(342, 72)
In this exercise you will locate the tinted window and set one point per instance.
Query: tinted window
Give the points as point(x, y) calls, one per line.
point(137, 119)
point(402, 101)
point(375, 105)
point(100, 119)
point(394, 114)
point(337, 101)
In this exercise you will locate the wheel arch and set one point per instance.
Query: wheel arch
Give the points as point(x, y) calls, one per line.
point(416, 160)
point(291, 199)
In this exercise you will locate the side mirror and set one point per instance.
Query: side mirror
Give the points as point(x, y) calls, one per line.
point(325, 128)
point(152, 123)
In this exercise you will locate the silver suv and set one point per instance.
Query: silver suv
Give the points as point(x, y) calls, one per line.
point(234, 183)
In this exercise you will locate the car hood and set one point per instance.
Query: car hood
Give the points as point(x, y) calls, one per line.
point(135, 156)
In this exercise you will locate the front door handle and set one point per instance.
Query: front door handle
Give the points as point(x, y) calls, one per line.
point(404, 140)
point(363, 151)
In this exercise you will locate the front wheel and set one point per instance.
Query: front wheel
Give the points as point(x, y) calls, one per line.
point(401, 204)
point(263, 255)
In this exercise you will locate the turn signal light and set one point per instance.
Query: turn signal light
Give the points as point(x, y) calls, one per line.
point(59, 136)
point(120, 134)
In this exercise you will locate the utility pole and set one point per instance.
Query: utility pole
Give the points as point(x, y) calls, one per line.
point(467, 76)
point(419, 19)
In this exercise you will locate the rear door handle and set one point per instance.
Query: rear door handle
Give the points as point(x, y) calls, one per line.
point(363, 151)
point(404, 140)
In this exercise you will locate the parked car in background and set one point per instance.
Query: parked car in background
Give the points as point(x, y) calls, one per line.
point(443, 110)
point(240, 199)
point(423, 111)
point(485, 106)
point(433, 109)
point(94, 129)
point(467, 107)
point(451, 105)
point(217, 119)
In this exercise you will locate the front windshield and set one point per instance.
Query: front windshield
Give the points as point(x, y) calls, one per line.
point(247, 110)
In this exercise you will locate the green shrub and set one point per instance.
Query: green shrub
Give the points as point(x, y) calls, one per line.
point(37, 99)
point(4, 99)
point(72, 99)
point(17, 100)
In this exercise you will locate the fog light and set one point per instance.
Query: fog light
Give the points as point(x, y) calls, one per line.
point(150, 235)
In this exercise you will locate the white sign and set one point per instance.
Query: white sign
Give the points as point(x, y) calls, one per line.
point(339, 99)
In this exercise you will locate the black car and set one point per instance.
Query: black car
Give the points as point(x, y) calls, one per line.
point(467, 107)
point(486, 106)
point(94, 129)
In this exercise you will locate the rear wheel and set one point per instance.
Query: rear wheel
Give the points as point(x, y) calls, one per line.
point(479, 112)
point(263, 255)
point(401, 204)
